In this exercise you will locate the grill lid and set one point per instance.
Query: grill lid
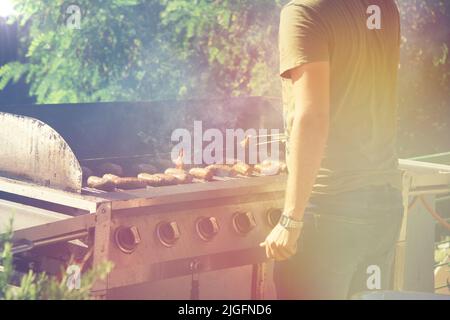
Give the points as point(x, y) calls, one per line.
point(33, 151)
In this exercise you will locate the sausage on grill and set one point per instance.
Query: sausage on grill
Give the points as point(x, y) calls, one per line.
point(110, 177)
point(128, 183)
point(167, 179)
point(182, 176)
point(222, 170)
point(283, 167)
point(268, 170)
point(150, 179)
point(271, 167)
point(243, 169)
point(100, 183)
point(173, 171)
point(158, 180)
point(202, 173)
point(110, 168)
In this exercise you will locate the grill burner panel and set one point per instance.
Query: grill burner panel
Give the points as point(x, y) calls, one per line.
point(231, 246)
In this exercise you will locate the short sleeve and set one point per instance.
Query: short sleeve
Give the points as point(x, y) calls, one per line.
point(302, 38)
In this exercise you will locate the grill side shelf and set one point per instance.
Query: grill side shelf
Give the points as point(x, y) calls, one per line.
point(33, 191)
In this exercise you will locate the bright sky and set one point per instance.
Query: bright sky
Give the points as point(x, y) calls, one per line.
point(6, 8)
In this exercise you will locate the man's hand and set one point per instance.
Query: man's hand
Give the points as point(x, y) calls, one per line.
point(281, 243)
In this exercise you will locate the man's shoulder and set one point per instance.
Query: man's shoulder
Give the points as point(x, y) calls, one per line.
point(305, 5)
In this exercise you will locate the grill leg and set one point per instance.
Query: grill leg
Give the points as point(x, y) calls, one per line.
point(258, 281)
point(101, 247)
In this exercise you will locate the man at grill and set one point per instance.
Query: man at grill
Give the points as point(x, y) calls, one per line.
point(343, 208)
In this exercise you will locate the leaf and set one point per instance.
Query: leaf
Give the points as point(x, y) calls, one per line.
point(11, 72)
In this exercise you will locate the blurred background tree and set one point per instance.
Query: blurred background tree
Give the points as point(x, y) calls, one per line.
point(425, 77)
point(128, 50)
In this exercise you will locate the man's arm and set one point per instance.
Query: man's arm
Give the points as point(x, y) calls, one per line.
point(307, 143)
point(309, 134)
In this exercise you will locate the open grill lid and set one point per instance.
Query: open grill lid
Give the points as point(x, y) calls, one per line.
point(32, 151)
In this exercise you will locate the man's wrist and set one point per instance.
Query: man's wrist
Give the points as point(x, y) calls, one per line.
point(293, 214)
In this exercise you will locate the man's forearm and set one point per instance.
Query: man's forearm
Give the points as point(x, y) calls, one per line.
point(307, 144)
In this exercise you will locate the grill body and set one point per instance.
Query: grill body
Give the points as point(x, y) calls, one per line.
point(159, 239)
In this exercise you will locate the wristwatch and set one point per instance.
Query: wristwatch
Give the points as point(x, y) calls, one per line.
point(289, 223)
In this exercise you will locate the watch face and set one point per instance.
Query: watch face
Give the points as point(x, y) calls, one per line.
point(284, 221)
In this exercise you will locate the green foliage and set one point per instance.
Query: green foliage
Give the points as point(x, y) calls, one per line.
point(11, 72)
point(40, 286)
point(232, 44)
point(112, 57)
point(442, 252)
point(6, 261)
point(425, 77)
point(147, 50)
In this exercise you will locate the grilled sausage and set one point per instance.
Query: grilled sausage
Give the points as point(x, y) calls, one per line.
point(150, 179)
point(110, 168)
point(271, 165)
point(167, 179)
point(185, 178)
point(130, 183)
point(202, 173)
point(222, 170)
point(243, 169)
point(110, 177)
point(283, 167)
point(182, 176)
point(158, 180)
point(173, 171)
point(100, 183)
point(267, 170)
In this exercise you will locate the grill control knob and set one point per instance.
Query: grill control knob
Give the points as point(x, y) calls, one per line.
point(244, 222)
point(207, 228)
point(127, 238)
point(168, 233)
point(273, 216)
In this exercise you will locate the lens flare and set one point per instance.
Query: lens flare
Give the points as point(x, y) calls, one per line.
point(6, 8)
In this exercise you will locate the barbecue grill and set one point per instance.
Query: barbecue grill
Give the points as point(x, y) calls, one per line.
point(197, 240)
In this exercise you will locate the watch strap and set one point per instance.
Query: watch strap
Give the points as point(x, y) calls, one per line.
point(289, 223)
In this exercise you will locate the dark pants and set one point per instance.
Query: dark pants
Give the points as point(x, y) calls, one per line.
point(346, 239)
